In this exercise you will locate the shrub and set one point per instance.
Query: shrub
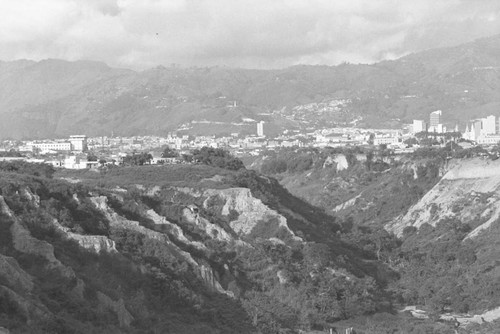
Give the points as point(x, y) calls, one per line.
point(217, 157)
point(24, 167)
point(273, 166)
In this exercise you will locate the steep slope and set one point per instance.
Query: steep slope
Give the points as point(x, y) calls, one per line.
point(365, 186)
point(181, 249)
point(448, 259)
point(443, 211)
point(468, 192)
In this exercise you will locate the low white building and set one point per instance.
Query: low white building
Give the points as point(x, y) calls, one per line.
point(385, 140)
point(488, 139)
point(77, 143)
point(52, 146)
point(76, 162)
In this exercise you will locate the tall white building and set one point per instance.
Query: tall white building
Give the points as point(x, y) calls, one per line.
point(489, 125)
point(260, 129)
point(435, 118)
point(419, 126)
point(435, 124)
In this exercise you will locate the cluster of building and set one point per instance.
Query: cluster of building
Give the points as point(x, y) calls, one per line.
point(75, 143)
point(484, 131)
point(66, 153)
point(435, 124)
point(73, 152)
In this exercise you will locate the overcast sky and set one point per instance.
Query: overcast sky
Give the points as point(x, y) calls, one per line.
point(139, 34)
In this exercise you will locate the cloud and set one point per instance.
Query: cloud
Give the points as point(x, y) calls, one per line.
point(257, 33)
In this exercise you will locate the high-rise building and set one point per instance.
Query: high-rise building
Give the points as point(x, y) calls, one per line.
point(419, 126)
point(476, 129)
point(260, 129)
point(489, 125)
point(435, 118)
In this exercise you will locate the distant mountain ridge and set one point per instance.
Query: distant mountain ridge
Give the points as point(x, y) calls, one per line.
point(55, 98)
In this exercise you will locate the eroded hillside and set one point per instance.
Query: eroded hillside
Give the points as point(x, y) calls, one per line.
point(468, 192)
point(433, 219)
point(449, 255)
point(178, 249)
point(364, 185)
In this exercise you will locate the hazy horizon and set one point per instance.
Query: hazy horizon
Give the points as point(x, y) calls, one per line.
point(238, 34)
point(187, 66)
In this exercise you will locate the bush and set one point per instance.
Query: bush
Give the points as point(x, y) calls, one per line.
point(273, 166)
point(24, 167)
point(217, 157)
point(299, 163)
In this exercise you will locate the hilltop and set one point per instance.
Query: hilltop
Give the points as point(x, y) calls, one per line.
point(54, 98)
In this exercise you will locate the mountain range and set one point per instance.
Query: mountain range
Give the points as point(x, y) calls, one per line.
point(55, 98)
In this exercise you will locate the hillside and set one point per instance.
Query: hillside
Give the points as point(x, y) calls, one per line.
point(366, 185)
point(55, 98)
point(173, 249)
point(450, 249)
point(199, 249)
point(443, 211)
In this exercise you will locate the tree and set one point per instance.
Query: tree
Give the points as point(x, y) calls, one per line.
point(217, 157)
point(11, 153)
point(92, 157)
point(169, 153)
point(138, 159)
point(273, 166)
point(299, 163)
point(24, 167)
point(371, 138)
point(369, 160)
point(411, 141)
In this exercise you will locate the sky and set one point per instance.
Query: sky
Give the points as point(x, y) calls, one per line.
point(141, 34)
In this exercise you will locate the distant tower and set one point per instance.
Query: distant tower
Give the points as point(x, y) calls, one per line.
point(78, 143)
point(435, 118)
point(260, 129)
point(476, 128)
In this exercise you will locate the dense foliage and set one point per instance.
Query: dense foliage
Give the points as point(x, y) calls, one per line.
point(23, 167)
point(449, 274)
point(169, 152)
point(11, 153)
point(137, 159)
point(438, 269)
point(216, 157)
